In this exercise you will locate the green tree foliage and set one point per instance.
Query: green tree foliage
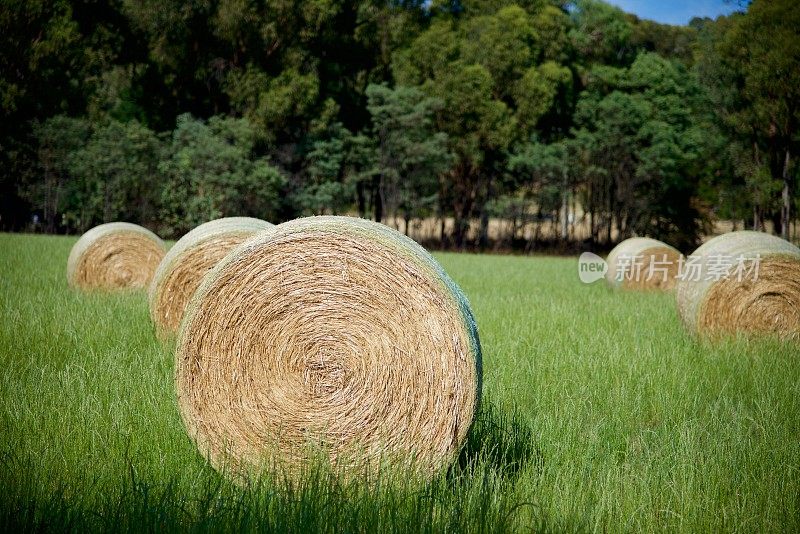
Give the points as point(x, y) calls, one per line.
point(750, 63)
point(642, 140)
point(547, 177)
point(329, 178)
point(93, 173)
point(212, 172)
point(273, 104)
point(51, 187)
point(38, 53)
point(601, 33)
point(171, 113)
point(115, 176)
point(410, 154)
point(488, 72)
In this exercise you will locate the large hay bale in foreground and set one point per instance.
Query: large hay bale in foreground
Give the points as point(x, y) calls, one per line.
point(114, 256)
point(760, 294)
point(328, 336)
point(642, 263)
point(192, 257)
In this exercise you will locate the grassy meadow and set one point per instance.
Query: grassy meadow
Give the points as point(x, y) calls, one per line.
point(599, 414)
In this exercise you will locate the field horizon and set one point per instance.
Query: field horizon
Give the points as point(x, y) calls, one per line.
point(599, 413)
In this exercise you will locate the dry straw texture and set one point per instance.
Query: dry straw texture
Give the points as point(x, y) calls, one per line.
point(329, 336)
point(179, 274)
point(642, 263)
point(766, 303)
point(114, 256)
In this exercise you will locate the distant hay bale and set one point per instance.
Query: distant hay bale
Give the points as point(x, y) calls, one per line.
point(329, 336)
point(114, 256)
point(192, 257)
point(641, 263)
point(760, 292)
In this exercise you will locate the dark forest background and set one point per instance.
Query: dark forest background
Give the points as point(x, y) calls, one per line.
point(573, 118)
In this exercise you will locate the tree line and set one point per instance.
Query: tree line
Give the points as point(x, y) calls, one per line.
point(567, 114)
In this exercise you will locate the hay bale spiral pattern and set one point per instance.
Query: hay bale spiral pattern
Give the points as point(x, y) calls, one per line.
point(768, 303)
point(179, 274)
point(334, 336)
point(114, 256)
point(657, 265)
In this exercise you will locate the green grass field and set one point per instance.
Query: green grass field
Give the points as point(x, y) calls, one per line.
point(599, 414)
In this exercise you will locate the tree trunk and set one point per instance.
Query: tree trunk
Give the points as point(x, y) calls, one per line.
point(484, 233)
point(461, 215)
point(49, 209)
point(483, 241)
point(611, 193)
point(777, 227)
point(460, 230)
point(573, 209)
point(362, 207)
point(590, 198)
point(513, 227)
point(48, 205)
point(377, 198)
point(107, 204)
point(787, 199)
point(462, 200)
point(564, 210)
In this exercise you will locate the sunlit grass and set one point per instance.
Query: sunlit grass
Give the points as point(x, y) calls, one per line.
point(600, 413)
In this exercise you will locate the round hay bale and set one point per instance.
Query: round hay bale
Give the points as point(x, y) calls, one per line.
point(114, 256)
point(759, 294)
point(641, 263)
point(180, 272)
point(329, 337)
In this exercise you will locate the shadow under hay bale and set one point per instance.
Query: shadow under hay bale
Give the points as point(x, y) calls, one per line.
point(502, 441)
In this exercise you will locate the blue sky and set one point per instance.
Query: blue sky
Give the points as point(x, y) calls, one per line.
point(678, 11)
